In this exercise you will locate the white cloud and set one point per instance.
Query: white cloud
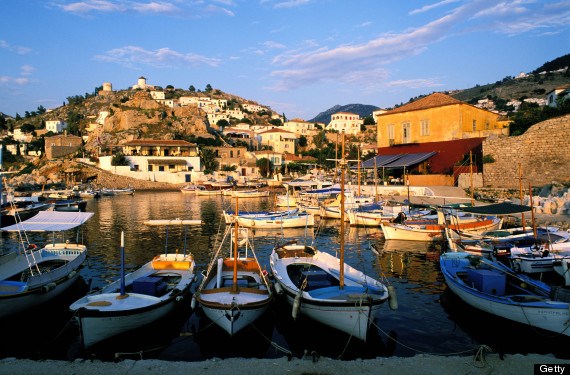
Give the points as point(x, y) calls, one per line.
point(429, 7)
point(133, 57)
point(295, 69)
point(414, 83)
point(172, 7)
point(27, 70)
point(16, 49)
point(8, 81)
point(290, 4)
point(270, 44)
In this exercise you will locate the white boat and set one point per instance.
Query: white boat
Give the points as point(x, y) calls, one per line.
point(203, 191)
point(229, 216)
point(119, 191)
point(296, 220)
point(188, 189)
point(322, 287)
point(253, 193)
point(35, 275)
point(235, 291)
point(430, 232)
point(496, 289)
point(137, 299)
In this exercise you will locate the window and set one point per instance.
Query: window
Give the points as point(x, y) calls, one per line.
point(474, 125)
point(406, 136)
point(424, 127)
point(391, 131)
point(487, 125)
point(161, 168)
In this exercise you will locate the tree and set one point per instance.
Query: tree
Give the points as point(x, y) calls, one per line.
point(208, 88)
point(276, 122)
point(208, 159)
point(41, 110)
point(369, 120)
point(27, 128)
point(119, 159)
point(192, 88)
point(223, 123)
point(303, 141)
point(320, 139)
point(265, 166)
point(229, 168)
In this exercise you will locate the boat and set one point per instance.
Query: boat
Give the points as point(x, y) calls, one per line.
point(139, 298)
point(15, 212)
point(235, 290)
point(322, 287)
point(203, 191)
point(34, 275)
point(69, 205)
point(290, 220)
point(435, 231)
point(229, 216)
point(496, 289)
point(118, 191)
point(251, 193)
point(188, 189)
point(88, 193)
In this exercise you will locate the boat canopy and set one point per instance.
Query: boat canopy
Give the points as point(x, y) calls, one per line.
point(50, 221)
point(504, 208)
point(397, 160)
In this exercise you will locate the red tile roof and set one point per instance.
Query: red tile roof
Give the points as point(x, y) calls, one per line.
point(431, 101)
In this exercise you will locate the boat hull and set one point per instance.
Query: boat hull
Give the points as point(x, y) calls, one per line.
point(534, 310)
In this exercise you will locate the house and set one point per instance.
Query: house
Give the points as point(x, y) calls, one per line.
point(554, 96)
point(345, 121)
point(299, 159)
point(235, 156)
point(172, 161)
point(62, 145)
point(300, 127)
point(436, 118)
point(56, 126)
point(279, 140)
point(434, 134)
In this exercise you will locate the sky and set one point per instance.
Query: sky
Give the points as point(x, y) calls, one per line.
point(299, 57)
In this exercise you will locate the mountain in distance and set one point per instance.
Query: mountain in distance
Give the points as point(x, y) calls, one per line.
point(363, 110)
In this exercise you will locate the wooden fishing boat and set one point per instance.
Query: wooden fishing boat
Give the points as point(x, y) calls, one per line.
point(139, 298)
point(291, 220)
point(33, 275)
point(252, 193)
point(322, 287)
point(496, 289)
point(235, 290)
point(430, 232)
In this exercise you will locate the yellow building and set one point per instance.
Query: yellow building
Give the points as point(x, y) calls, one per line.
point(436, 118)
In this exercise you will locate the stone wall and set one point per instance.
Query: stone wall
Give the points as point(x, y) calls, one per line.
point(543, 152)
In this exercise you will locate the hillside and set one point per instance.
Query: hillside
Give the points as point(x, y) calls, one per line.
point(363, 110)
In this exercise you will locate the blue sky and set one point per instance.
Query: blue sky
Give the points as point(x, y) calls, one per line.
point(299, 57)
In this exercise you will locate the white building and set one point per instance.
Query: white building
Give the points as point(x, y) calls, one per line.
point(157, 95)
point(300, 127)
point(552, 97)
point(141, 84)
point(345, 121)
point(56, 126)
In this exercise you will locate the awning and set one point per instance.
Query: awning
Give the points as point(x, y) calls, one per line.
point(50, 221)
point(167, 161)
point(397, 160)
point(504, 208)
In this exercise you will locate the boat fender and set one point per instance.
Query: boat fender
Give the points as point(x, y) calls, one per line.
point(278, 288)
point(219, 273)
point(193, 302)
point(71, 274)
point(179, 298)
point(296, 305)
point(392, 297)
point(48, 287)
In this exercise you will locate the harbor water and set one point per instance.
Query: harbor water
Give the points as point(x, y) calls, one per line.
point(429, 318)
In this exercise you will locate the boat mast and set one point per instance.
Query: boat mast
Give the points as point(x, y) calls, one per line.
point(234, 284)
point(532, 211)
point(471, 178)
point(343, 163)
point(521, 196)
point(358, 157)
